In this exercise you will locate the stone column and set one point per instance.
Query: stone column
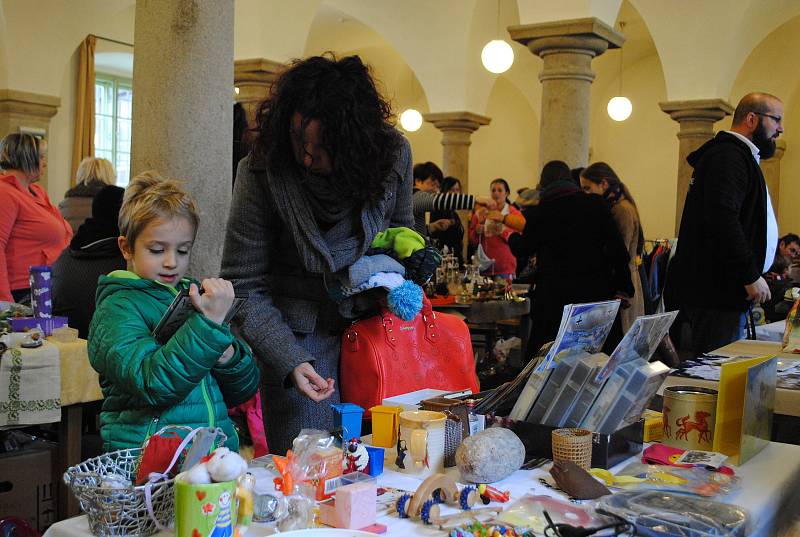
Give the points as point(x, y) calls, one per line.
point(183, 109)
point(772, 174)
point(456, 127)
point(254, 78)
point(696, 119)
point(21, 111)
point(567, 48)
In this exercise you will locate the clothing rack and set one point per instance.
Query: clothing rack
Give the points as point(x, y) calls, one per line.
point(112, 40)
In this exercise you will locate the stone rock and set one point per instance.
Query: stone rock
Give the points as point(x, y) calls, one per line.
point(489, 456)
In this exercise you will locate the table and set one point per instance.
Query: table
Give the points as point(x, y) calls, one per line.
point(79, 384)
point(787, 402)
point(770, 483)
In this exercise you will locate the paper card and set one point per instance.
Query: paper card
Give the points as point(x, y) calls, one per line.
point(730, 406)
point(759, 406)
point(584, 327)
point(705, 458)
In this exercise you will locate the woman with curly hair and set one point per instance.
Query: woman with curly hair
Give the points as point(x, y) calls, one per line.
point(328, 171)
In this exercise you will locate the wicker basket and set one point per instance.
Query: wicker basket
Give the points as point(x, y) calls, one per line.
point(573, 445)
point(119, 511)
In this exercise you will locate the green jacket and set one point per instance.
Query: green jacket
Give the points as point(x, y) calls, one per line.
point(147, 385)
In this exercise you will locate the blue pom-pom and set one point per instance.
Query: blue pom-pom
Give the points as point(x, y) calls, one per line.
point(405, 300)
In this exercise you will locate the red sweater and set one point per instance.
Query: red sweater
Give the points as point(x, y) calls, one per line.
point(496, 247)
point(32, 232)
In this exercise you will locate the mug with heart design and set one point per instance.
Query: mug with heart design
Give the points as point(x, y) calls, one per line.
point(205, 510)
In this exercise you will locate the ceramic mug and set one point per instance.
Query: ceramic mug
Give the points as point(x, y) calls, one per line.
point(205, 510)
point(420, 443)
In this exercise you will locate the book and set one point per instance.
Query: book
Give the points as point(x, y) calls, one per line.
point(634, 396)
point(179, 311)
point(567, 396)
point(553, 386)
point(530, 393)
point(608, 394)
point(587, 393)
point(640, 341)
point(583, 327)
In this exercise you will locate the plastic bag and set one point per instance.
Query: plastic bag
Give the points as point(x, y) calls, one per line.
point(528, 512)
point(667, 514)
point(696, 480)
point(791, 334)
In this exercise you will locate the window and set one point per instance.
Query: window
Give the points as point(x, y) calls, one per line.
point(113, 101)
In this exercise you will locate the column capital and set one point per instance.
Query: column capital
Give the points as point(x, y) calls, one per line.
point(589, 36)
point(457, 121)
point(28, 104)
point(254, 77)
point(711, 110)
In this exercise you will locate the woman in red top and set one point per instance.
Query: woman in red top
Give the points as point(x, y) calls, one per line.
point(32, 231)
point(493, 235)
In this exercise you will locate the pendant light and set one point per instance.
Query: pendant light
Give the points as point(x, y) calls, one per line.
point(411, 119)
point(497, 55)
point(620, 107)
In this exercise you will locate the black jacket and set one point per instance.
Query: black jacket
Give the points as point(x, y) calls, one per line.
point(92, 253)
point(723, 235)
point(580, 257)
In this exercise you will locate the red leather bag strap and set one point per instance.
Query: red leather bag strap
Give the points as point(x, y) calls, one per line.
point(429, 320)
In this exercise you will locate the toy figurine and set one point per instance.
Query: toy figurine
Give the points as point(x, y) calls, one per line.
point(401, 454)
point(491, 494)
point(356, 457)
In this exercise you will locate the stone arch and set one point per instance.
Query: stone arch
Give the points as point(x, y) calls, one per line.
point(771, 68)
point(723, 35)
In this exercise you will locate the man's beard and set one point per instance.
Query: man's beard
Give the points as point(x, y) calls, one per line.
point(765, 144)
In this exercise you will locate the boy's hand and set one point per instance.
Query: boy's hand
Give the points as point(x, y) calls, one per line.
point(309, 383)
point(226, 356)
point(216, 300)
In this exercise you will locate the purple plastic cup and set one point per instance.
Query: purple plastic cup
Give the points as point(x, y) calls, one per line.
point(41, 290)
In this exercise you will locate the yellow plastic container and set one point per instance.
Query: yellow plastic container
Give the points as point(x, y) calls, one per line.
point(385, 425)
point(653, 426)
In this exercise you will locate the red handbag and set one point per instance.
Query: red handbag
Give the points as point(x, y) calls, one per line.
point(384, 356)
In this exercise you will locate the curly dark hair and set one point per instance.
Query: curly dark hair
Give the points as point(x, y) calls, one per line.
point(356, 120)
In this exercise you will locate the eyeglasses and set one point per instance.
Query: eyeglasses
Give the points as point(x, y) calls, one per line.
point(776, 119)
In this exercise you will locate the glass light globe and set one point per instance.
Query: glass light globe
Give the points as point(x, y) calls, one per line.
point(619, 108)
point(497, 56)
point(411, 120)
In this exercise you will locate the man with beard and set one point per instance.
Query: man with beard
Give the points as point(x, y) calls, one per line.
point(728, 231)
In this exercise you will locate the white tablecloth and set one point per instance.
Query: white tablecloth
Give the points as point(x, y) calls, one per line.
point(770, 484)
point(30, 386)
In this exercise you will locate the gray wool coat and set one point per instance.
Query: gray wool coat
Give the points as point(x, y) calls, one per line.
point(289, 318)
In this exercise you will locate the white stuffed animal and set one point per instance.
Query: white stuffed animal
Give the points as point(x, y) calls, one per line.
point(222, 465)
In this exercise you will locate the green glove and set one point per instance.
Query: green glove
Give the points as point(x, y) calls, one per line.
point(402, 240)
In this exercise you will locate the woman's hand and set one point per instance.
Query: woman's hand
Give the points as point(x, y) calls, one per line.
point(495, 215)
point(489, 203)
point(310, 384)
point(440, 225)
point(216, 299)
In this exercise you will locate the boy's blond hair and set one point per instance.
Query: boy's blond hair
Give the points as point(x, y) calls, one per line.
point(149, 197)
point(95, 169)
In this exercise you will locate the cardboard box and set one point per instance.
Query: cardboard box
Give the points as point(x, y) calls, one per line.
point(46, 325)
point(27, 487)
point(607, 449)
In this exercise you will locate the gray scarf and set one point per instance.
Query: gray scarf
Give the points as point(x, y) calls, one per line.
point(303, 201)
